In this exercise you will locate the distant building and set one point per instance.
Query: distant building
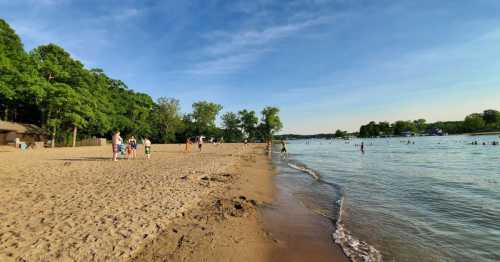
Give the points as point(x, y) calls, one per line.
point(434, 132)
point(407, 133)
point(13, 133)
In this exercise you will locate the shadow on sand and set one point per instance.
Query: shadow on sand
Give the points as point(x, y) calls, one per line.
point(84, 159)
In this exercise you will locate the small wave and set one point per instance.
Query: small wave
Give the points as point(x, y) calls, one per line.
point(355, 249)
point(305, 169)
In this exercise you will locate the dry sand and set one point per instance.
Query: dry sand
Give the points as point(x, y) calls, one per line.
point(74, 204)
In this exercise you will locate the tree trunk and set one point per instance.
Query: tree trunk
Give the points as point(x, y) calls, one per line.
point(74, 135)
point(53, 143)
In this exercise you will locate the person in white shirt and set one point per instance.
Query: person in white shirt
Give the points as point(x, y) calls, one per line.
point(147, 148)
point(200, 142)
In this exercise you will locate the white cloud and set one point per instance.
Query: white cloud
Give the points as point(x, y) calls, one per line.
point(231, 51)
point(239, 41)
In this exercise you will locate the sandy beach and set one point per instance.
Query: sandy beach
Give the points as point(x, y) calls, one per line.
point(76, 204)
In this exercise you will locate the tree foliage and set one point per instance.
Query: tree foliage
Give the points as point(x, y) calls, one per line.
point(270, 123)
point(231, 124)
point(249, 123)
point(49, 88)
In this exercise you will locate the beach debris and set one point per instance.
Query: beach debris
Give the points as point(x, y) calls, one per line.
point(219, 177)
point(236, 207)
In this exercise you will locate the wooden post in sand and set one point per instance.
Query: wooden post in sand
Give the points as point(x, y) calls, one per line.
point(53, 143)
point(74, 135)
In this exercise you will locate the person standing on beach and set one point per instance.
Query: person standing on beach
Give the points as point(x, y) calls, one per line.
point(245, 142)
point(147, 148)
point(362, 147)
point(269, 147)
point(132, 142)
point(200, 142)
point(116, 141)
point(188, 145)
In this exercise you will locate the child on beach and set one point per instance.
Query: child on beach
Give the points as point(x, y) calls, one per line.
point(188, 145)
point(132, 147)
point(147, 148)
point(128, 150)
point(116, 141)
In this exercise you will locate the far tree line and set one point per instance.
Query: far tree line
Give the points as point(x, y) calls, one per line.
point(49, 88)
point(488, 120)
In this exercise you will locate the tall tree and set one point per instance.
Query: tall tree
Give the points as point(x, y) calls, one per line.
point(249, 123)
point(167, 118)
point(491, 117)
point(270, 122)
point(231, 124)
point(474, 122)
point(203, 116)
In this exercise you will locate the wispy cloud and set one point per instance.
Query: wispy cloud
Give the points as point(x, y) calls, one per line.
point(224, 65)
point(231, 51)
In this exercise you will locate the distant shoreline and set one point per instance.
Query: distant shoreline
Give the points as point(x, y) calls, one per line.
point(483, 133)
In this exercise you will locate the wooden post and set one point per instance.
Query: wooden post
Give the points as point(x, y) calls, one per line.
point(53, 144)
point(74, 135)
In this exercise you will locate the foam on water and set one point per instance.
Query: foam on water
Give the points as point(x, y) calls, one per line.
point(355, 249)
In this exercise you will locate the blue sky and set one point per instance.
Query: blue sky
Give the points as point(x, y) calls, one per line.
point(327, 64)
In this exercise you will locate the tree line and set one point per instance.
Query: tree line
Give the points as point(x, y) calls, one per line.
point(488, 120)
point(49, 88)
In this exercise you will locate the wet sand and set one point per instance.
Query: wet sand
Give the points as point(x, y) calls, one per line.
point(302, 235)
point(74, 204)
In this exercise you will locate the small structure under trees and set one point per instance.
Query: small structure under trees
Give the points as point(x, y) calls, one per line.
point(12, 133)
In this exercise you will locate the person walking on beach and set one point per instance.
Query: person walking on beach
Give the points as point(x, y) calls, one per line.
point(362, 147)
point(269, 148)
point(188, 145)
point(200, 142)
point(116, 142)
point(147, 148)
point(245, 142)
point(284, 150)
point(132, 143)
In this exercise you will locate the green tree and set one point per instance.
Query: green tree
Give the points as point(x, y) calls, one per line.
point(420, 124)
point(340, 134)
point(474, 122)
point(231, 124)
point(203, 117)
point(270, 122)
point(249, 123)
point(491, 117)
point(167, 119)
point(403, 126)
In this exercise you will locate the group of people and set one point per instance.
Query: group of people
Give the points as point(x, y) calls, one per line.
point(199, 140)
point(494, 143)
point(129, 150)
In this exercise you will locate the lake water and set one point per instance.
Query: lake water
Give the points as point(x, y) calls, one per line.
point(435, 200)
